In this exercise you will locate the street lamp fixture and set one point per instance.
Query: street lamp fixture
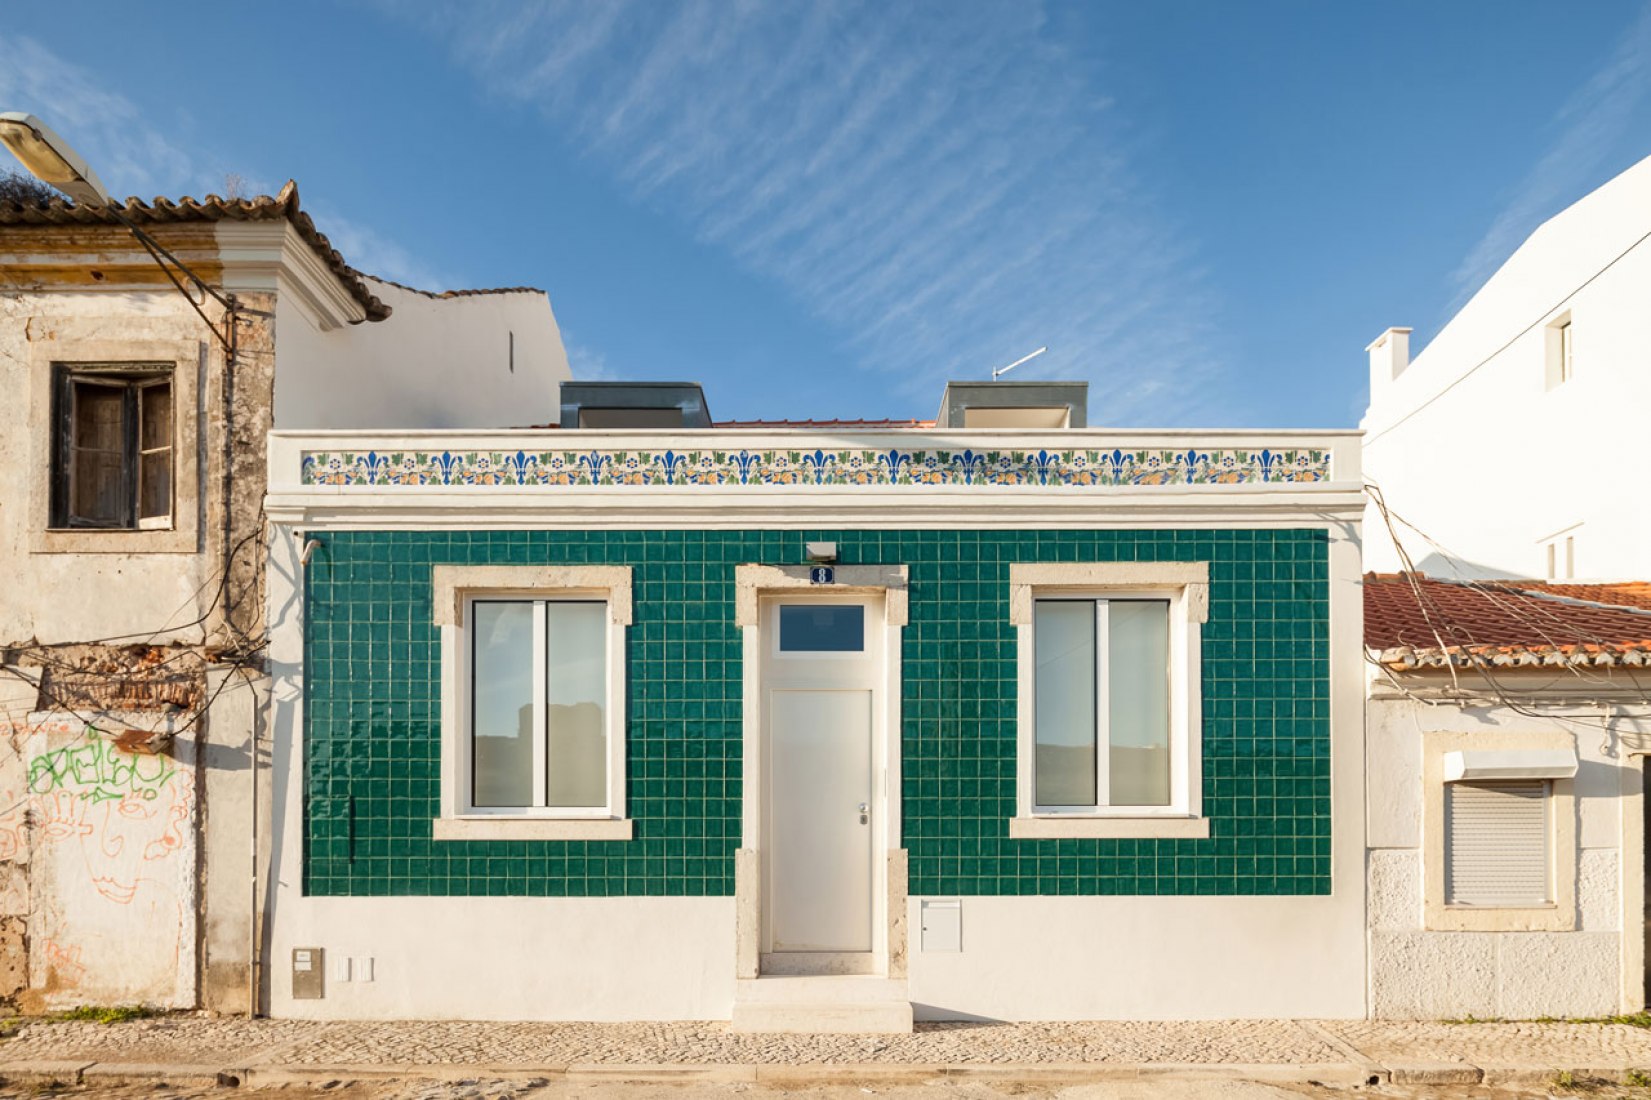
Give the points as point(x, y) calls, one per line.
point(50, 159)
point(53, 161)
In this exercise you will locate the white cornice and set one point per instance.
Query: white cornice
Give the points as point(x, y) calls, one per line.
point(271, 256)
point(1326, 505)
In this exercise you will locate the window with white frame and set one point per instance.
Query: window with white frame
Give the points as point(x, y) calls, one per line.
point(1100, 704)
point(538, 737)
point(1109, 683)
point(533, 700)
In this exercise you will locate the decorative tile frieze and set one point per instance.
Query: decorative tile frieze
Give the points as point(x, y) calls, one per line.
point(836, 468)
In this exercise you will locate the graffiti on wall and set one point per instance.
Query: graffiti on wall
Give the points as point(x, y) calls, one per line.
point(107, 841)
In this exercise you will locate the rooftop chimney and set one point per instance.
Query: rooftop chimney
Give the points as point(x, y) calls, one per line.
point(1389, 356)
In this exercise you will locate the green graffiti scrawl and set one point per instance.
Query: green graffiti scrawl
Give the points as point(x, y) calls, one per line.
point(96, 772)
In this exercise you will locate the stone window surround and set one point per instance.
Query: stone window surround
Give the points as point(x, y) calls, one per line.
point(452, 587)
point(187, 358)
point(1187, 586)
point(1560, 916)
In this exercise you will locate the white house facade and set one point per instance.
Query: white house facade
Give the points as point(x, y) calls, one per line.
point(1510, 446)
point(826, 727)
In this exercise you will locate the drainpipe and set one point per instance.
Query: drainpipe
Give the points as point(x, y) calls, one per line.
point(254, 940)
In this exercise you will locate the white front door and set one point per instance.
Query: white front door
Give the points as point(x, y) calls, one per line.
point(820, 703)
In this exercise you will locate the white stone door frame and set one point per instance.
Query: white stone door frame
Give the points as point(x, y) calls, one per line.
point(753, 583)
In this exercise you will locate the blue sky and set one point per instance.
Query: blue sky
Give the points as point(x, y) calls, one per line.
point(1204, 209)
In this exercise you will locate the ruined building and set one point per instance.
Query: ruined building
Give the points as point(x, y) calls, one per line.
point(133, 553)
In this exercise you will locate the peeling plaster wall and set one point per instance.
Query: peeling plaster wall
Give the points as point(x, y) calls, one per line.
point(69, 597)
point(98, 853)
point(1416, 973)
point(107, 892)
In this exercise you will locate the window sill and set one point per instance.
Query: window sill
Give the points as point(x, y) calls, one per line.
point(1475, 918)
point(1144, 828)
point(531, 828)
point(113, 540)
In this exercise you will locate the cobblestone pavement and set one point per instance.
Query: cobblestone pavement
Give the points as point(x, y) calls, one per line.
point(1505, 1044)
point(1132, 1090)
point(520, 1050)
point(233, 1042)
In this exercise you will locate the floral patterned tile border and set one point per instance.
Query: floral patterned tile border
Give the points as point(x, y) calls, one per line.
point(1075, 468)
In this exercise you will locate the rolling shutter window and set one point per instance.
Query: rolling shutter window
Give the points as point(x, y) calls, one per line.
point(1497, 844)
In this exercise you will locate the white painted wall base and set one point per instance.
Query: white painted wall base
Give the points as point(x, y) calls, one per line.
point(510, 958)
point(1146, 958)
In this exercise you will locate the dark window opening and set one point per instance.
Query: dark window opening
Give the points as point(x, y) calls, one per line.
point(112, 447)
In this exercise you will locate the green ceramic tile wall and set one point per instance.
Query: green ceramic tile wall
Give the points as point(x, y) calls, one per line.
point(372, 751)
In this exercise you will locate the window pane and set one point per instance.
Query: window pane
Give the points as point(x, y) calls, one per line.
point(155, 484)
point(1138, 702)
point(1063, 641)
point(98, 490)
point(156, 415)
point(822, 628)
point(502, 703)
point(577, 667)
point(155, 450)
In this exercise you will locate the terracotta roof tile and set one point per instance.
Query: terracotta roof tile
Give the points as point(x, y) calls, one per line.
point(1412, 621)
point(1624, 593)
point(470, 293)
point(213, 208)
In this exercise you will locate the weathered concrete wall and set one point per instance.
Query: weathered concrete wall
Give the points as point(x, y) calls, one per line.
point(99, 851)
point(107, 859)
point(1420, 973)
point(231, 739)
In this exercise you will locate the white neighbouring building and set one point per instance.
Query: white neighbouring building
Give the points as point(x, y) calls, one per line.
point(1516, 439)
point(1507, 734)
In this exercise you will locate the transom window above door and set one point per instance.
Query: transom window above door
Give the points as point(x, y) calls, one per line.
point(822, 628)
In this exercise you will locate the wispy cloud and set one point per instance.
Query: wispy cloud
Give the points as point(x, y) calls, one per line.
point(132, 155)
point(376, 254)
point(585, 362)
point(108, 129)
point(944, 184)
point(1591, 125)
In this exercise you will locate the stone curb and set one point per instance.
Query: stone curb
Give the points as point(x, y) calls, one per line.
point(70, 1072)
point(1054, 1073)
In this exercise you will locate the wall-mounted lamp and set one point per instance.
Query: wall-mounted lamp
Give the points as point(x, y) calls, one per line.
point(823, 552)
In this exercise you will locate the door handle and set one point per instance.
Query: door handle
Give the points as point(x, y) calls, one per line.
point(865, 809)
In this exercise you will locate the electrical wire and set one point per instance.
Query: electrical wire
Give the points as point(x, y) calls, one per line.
point(1462, 652)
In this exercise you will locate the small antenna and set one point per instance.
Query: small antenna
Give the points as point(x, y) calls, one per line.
point(1005, 370)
